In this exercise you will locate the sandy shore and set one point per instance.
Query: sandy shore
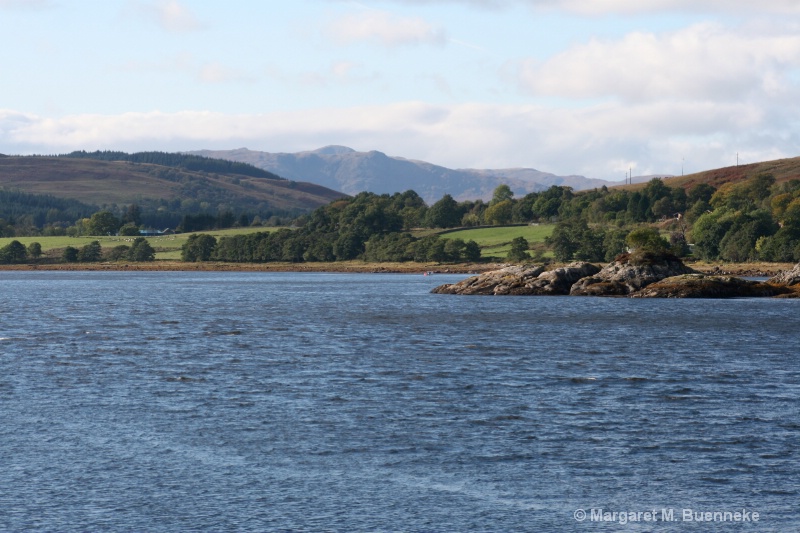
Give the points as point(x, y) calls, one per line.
point(211, 266)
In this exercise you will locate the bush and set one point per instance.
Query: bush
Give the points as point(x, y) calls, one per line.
point(70, 254)
point(519, 250)
point(647, 240)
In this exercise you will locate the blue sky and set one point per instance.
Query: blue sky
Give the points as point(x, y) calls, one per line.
point(590, 87)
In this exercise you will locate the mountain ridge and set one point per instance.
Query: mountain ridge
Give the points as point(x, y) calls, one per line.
point(350, 171)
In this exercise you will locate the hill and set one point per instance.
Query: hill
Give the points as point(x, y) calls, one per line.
point(180, 185)
point(347, 170)
point(782, 170)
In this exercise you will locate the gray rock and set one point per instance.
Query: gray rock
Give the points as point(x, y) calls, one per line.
point(630, 273)
point(521, 280)
point(787, 277)
point(704, 286)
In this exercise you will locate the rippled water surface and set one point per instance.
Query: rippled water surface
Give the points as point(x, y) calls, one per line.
point(262, 401)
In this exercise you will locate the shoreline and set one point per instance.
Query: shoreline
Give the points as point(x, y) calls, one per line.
point(358, 267)
point(355, 267)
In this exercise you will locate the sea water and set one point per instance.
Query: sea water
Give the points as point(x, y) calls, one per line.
point(361, 402)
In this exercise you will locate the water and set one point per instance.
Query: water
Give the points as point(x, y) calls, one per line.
point(262, 401)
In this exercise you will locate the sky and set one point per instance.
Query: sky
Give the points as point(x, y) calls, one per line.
point(590, 87)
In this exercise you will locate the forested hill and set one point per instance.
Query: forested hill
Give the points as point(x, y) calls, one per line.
point(178, 160)
point(164, 187)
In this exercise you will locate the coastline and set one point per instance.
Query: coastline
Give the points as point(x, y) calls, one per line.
point(733, 269)
point(356, 267)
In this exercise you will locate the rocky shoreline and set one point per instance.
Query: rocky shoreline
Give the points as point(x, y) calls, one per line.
point(637, 275)
point(763, 270)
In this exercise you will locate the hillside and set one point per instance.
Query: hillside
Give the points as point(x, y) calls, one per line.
point(347, 170)
point(781, 169)
point(105, 183)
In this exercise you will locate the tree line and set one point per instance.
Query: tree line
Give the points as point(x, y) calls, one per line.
point(756, 219)
point(140, 250)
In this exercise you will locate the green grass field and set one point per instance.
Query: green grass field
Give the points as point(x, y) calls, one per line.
point(167, 247)
point(496, 241)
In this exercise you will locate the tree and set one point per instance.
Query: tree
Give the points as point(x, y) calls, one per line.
point(647, 240)
point(472, 252)
point(708, 231)
point(141, 250)
point(199, 247)
point(103, 223)
point(13, 252)
point(519, 250)
point(573, 239)
point(129, 230)
point(133, 215)
point(70, 254)
point(118, 253)
point(454, 249)
point(90, 253)
point(35, 250)
point(499, 213)
point(501, 194)
point(444, 213)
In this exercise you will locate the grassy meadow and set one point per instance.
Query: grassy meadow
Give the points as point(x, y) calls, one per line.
point(496, 241)
point(167, 247)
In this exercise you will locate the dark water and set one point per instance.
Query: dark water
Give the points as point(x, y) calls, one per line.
point(204, 401)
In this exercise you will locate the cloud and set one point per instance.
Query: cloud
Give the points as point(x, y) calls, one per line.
point(170, 15)
point(386, 29)
point(702, 62)
point(204, 72)
point(25, 4)
point(599, 141)
point(601, 7)
point(337, 73)
point(218, 73)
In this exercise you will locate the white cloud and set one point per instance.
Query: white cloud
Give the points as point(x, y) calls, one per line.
point(212, 72)
point(25, 4)
point(600, 7)
point(219, 73)
point(170, 15)
point(386, 29)
point(597, 7)
point(702, 62)
point(337, 73)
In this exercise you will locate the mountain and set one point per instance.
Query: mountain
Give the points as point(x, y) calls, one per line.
point(349, 171)
point(160, 182)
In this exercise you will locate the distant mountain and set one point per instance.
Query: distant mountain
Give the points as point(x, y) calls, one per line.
point(349, 171)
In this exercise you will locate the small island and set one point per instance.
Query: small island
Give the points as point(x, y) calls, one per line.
point(632, 275)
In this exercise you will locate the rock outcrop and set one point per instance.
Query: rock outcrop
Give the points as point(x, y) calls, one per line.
point(705, 286)
point(641, 275)
point(630, 273)
point(788, 278)
point(522, 280)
